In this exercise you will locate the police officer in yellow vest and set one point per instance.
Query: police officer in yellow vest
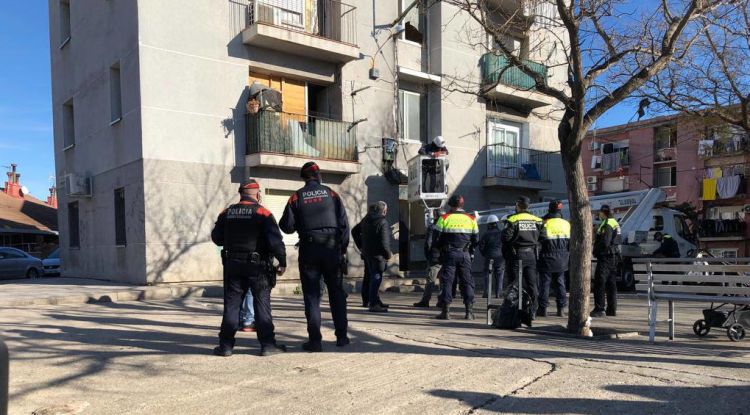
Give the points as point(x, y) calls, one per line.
point(521, 236)
point(605, 277)
point(456, 236)
point(553, 257)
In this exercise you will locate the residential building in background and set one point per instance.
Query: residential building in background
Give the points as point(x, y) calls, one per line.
point(27, 223)
point(162, 107)
point(699, 162)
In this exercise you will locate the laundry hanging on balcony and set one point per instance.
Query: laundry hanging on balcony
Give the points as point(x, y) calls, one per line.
point(709, 189)
point(727, 187)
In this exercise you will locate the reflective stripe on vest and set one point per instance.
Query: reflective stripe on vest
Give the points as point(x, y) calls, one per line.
point(523, 216)
point(458, 222)
point(611, 222)
point(556, 228)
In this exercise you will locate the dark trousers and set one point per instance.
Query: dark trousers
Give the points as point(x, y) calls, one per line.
point(376, 266)
point(456, 266)
point(432, 282)
point(545, 280)
point(498, 269)
point(366, 284)
point(605, 282)
point(318, 262)
point(529, 274)
point(239, 276)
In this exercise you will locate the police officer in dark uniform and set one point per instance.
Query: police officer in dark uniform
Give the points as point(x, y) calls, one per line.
point(554, 256)
point(521, 236)
point(668, 248)
point(491, 248)
point(251, 240)
point(456, 236)
point(605, 250)
point(318, 216)
point(433, 264)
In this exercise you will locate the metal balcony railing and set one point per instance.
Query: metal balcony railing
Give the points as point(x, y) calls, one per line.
point(497, 69)
point(300, 135)
point(727, 147)
point(510, 162)
point(329, 19)
point(712, 228)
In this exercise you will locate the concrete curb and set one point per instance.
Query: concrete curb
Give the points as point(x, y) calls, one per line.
point(608, 336)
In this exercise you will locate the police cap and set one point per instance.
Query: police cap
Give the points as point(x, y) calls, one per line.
point(309, 170)
point(249, 184)
point(605, 209)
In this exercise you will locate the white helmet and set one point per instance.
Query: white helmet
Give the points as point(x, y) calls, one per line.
point(492, 219)
point(438, 141)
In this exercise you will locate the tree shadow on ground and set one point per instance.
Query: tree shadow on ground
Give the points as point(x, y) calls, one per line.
point(632, 399)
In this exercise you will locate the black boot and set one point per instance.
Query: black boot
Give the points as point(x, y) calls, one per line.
point(469, 312)
point(561, 311)
point(444, 313)
point(422, 304)
point(542, 312)
point(272, 349)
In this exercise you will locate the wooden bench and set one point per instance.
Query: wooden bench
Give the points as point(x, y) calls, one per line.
point(708, 280)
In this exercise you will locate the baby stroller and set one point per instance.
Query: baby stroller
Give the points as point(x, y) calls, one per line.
point(734, 320)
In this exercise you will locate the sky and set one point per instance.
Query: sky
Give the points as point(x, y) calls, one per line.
point(26, 95)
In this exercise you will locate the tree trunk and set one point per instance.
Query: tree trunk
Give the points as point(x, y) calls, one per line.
point(581, 226)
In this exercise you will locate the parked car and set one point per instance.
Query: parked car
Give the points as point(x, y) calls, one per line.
point(15, 263)
point(51, 264)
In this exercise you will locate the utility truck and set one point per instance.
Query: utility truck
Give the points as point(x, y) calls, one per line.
point(640, 213)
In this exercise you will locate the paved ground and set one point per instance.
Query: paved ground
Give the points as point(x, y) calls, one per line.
point(154, 357)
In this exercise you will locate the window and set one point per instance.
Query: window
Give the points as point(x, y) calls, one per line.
point(74, 240)
point(665, 176)
point(414, 22)
point(665, 137)
point(64, 22)
point(12, 254)
point(410, 120)
point(657, 224)
point(275, 200)
point(68, 121)
point(724, 252)
point(115, 96)
point(120, 237)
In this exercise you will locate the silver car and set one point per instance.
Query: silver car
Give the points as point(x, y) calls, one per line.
point(51, 264)
point(15, 263)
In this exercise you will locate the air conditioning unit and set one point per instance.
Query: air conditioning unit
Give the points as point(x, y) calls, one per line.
point(77, 186)
point(591, 179)
point(746, 208)
point(591, 187)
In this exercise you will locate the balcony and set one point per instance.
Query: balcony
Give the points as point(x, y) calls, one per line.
point(504, 82)
point(721, 229)
point(286, 141)
point(321, 29)
point(517, 167)
point(734, 146)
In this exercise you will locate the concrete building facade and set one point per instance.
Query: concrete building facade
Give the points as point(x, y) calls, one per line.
point(153, 130)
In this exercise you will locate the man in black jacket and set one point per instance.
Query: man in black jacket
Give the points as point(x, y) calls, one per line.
point(318, 216)
point(357, 238)
point(491, 248)
point(376, 245)
point(250, 239)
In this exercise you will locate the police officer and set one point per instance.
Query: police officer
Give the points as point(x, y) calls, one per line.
point(521, 235)
point(456, 236)
point(668, 248)
point(491, 248)
point(605, 250)
point(318, 216)
point(553, 257)
point(250, 239)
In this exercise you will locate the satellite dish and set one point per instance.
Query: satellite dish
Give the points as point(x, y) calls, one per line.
point(24, 190)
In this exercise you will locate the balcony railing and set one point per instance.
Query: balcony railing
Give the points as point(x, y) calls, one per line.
point(728, 147)
point(497, 69)
point(520, 163)
point(716, 228)
point(300, 135)
point(329, 19)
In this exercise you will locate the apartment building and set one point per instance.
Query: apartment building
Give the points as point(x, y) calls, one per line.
point(162, 107)
point(698, 162)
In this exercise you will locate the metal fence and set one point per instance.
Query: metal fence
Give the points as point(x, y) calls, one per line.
point(498, 69)
point(330, 19)
point(518, 163)
point(301, 135)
